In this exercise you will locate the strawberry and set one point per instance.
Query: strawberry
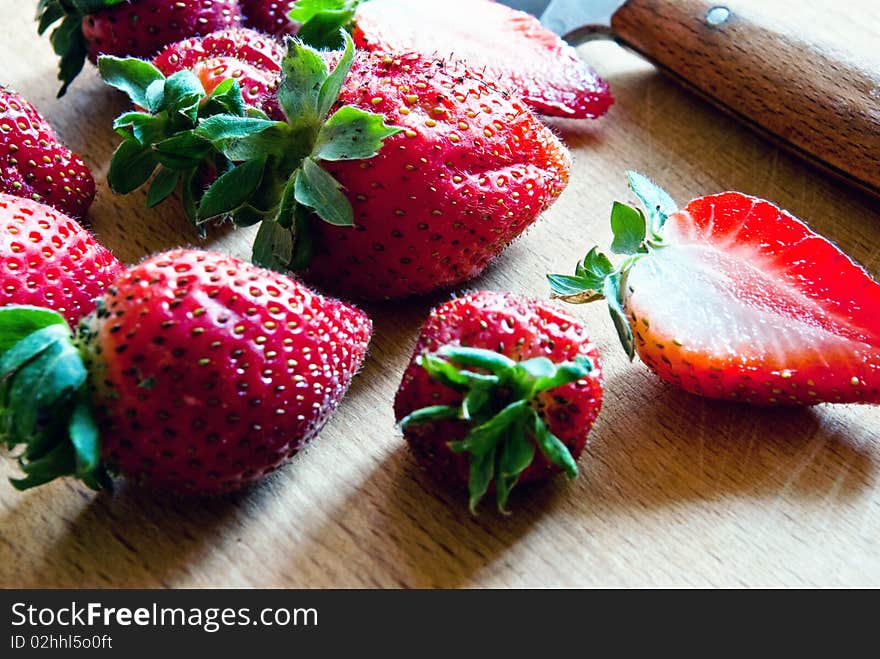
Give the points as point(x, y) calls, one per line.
point(196, 374)
point(270, 16)
point(250, 58)
point(373, 209)
point(139, 28)
point(733, 298)
point(472, 170)
point(35, 164)
point(500, 390)
point(507, 46)
point(48, 260)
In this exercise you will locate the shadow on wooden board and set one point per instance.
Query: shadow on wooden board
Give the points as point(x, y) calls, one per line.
point(426, 537)
point(125, 539)
point(421, 535)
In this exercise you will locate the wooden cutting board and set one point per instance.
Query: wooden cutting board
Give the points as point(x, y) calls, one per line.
point(674, 490)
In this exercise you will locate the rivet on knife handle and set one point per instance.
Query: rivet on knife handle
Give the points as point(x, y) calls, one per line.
point(820, 106)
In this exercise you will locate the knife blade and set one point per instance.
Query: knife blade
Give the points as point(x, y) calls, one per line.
point(577, 20)
point(769, 65)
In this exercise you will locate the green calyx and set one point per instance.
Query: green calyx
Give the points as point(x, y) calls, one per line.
point(45, 409)
point(321, 20)
point(636, 235)
point(67, 38)
point(163, 141)
point(505, 428)
point(265, 171)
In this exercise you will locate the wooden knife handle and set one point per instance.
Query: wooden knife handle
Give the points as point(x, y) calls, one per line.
point(815, 96)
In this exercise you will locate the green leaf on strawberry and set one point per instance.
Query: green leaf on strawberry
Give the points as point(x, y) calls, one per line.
point(221, 128)
point(232, 189)
point(182, 151)
point(629, 226)
point(322, 20)
point(497, 406)
point(44, 401)
point(516, 454)
point(273, 246)
point(614, 294)
point(132, 77)
point(635, 235)
point(163, 186)
point(268, 170)
point(588, 282)
point(20, 321)
point(226, 99)
point(174, 132)
point(132, 165)
point(318, 190)
point(143, 127)
point(303, 72)
point(658, 204)
point(351, 134)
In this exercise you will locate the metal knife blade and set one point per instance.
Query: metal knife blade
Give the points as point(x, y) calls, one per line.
point(534, 7)
point(574, 20)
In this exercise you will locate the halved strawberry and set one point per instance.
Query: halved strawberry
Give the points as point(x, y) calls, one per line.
point(507, 46)
point(734, 298)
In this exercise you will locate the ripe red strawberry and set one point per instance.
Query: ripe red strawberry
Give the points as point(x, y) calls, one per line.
point(137, 28)
point(473, 169)
point(734, 298)
point(35, 164)
point(48, 260)
point(390, 211)
point(500, 390)
point(507, 46)
point(197, 373)
point(270, 16)
point(251, 58)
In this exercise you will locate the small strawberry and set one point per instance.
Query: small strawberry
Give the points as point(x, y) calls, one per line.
point(508, 46)
point(499, 390)
point(250, 58)
point(197, 373)
point(35, 164)
point(374, 209)
point(137, 28)
point(270, 16)
point(48, 260)
point(734, 298)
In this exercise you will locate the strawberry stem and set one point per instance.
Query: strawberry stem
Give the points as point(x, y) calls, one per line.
point(505, 428)
point(636, 235)
point(45, 408)
point(264, 171)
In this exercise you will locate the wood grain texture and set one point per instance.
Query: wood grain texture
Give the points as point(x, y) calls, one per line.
point(807, 73)
point(674, 490)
